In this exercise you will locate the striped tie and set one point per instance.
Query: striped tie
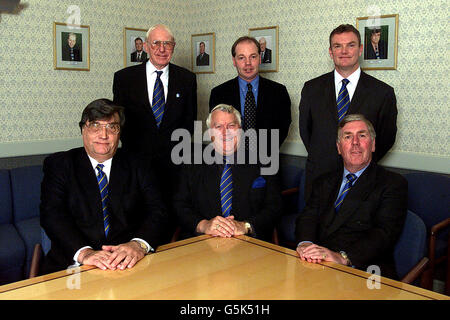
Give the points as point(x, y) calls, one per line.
point(226, 190)
point(343, 100)
point(350, 179)
point(103, 185)
point(158, 102)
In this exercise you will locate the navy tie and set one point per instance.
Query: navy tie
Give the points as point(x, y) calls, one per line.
point(226, 190)
point(350, 179)
point(158, 102)
point(103, 186)
point(343, 100)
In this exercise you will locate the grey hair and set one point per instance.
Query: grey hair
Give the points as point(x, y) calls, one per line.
point(225, 108)
point(355, 117)
point(162, 26)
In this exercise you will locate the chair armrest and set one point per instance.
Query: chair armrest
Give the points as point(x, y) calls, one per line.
point(35, 261)
point(415, 272)
point(433, 232)
point(438, 227)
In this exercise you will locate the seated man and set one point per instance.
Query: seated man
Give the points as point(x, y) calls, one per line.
point(354, 217)
point(227, 198)
point(99, 205)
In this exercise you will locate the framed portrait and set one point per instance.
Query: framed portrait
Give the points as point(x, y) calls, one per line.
point(268, 40)
point(133, 46)
point(203, 47)
point(379, 37)
point(70, 47)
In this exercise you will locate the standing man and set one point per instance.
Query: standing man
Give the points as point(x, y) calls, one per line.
point(159, 97)
point(139, 55)
point(100, 205)
point(227, 198)
point(263, 103)
point(327, 99)
point(355, 215)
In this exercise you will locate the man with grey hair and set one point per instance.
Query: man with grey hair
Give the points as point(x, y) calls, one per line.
point(355, 215)
point(227, 198)
point(159, 97)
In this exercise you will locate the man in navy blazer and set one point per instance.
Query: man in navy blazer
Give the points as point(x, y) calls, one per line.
point(355, 225)
point(273, 105)
point(318, 115)
point(133, 89)
point(72, 208)
point(255, 202)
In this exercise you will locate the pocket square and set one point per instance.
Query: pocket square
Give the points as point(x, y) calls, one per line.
point(259, 182)
point(177, 95)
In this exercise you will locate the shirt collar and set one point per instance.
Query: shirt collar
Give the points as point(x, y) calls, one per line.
point(353, 78)
point(254, 82)
point(358, 173)
point(151, 68)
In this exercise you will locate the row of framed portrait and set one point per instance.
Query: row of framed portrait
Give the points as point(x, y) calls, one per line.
point(379, 36)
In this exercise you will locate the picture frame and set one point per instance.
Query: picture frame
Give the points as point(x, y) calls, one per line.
point(379, 37)
point(71, 48)
point(269, 57)
point(131, 38)
point(203, 52)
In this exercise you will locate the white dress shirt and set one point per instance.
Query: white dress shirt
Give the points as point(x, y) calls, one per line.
point(351, 86)
point(151, 79)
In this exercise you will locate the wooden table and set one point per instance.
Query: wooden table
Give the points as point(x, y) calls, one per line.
point(209, 268)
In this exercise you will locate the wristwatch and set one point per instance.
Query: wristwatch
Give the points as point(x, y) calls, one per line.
point(344, 255)
point(248, 227)
point(142, 245)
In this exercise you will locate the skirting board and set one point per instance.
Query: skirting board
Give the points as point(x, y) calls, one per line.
point(396, 159)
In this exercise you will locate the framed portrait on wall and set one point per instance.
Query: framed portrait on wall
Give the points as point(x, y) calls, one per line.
point(268, 40)
point(70, 47)
point(133, 46)
point(379, 37)
point(203, 48)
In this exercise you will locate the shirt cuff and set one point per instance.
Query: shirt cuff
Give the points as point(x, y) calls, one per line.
point(149, 247)
point(302, 242)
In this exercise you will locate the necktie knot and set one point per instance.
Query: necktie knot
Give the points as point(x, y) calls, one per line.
point(158, 74)
point(99, 167)
point(351, 177)
point(345, 82)
point(249, 86)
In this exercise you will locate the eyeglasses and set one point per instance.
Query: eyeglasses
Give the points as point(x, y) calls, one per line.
point(169, 45)
point(111, 128)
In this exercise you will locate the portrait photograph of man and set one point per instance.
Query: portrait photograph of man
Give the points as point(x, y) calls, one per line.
point(376, 43)
point(71, 46)
point(202, 56)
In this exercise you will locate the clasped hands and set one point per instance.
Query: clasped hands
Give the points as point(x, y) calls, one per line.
point(222, 227)
point(314, 253)
point(122, 256)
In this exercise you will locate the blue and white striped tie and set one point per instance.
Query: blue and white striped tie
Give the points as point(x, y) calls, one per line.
point(103, 186)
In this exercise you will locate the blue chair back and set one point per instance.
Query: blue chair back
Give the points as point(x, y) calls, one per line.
point(5, 198)
point(45, 242)
point(411, 246)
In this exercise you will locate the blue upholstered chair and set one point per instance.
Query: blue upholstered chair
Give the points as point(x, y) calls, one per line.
point(26, 193)
point(40, 248)
point(12, 248)
point(429, 198)
point(410, 250)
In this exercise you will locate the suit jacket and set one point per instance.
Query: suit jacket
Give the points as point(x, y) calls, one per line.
point(273, 110)
point(66, 53)
point(368, 223)
point(140, 133)
point(71, 210)
point(318, 120)
point(370, 52)
point(135, 59)
point(202, 60)
point(198, 198)
point(267, 56)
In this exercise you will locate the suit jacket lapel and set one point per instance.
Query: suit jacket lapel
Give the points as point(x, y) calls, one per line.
point(330, 95)
point(141, 87)
point(117, 180)
point(358, 193)
point(211, 183)
point(359, 96)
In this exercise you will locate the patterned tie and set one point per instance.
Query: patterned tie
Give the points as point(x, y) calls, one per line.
point(158, 102)
point(343, 100)
point(103, 186)
point(226, 190)
point(350, 179)
point(250, 116)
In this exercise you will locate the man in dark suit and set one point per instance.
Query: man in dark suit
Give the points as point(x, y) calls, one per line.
point(139, 55)
point(71, 50)
point(148, 130)
point(99, 205)
point(319, 115)
point(203, 57)
point(273, 105)
point(266, 53)
point(357, 224)
point(208, 201)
